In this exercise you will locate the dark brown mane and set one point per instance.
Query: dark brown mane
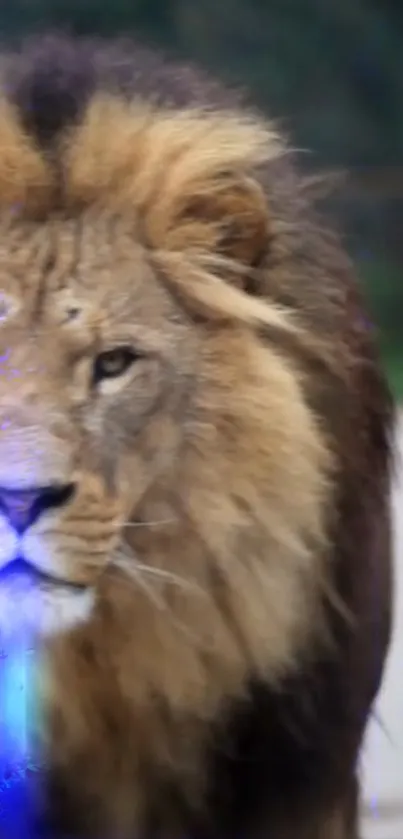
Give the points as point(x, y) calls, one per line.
point(52, 77)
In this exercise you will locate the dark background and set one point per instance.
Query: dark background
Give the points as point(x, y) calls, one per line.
point(330, 70)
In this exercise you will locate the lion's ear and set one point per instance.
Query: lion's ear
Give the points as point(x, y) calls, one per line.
point(235, 214)
point(227, 216)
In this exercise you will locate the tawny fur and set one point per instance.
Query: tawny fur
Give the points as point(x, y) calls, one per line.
point(247, 470)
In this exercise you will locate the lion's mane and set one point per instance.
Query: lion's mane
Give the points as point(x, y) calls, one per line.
point(238, 707)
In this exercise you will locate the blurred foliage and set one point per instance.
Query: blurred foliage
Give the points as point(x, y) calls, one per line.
point(330, 70)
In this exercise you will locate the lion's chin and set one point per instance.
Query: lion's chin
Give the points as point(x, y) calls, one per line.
point(35, 604)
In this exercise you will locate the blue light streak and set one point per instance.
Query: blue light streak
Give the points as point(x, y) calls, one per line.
point(17, 726)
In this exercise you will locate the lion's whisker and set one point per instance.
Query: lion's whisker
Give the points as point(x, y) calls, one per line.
point(170, 577)
point(129, 567)
point(152, 594)
point(155, 523)
point(135, 569)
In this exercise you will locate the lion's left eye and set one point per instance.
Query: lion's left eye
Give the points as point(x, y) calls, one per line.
point(113, 363)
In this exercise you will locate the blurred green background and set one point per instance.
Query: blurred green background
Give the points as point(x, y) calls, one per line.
point(330, 70)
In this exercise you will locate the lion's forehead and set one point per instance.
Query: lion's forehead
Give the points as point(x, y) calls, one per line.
point(90, 271)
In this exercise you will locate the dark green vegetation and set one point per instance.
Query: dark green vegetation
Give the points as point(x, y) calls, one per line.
point(330, 70)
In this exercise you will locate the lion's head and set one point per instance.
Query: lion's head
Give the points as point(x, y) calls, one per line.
point(156, 444)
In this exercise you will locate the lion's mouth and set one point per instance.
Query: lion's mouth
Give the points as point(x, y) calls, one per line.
point(20, 569)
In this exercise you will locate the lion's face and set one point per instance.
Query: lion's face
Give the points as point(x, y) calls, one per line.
point(95, 363)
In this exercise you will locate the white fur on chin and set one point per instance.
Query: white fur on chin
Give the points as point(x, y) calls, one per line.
point(42, 611)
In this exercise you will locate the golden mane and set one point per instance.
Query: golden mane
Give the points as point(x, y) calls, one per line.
point(257, 493)
point(185, 174)
point(189, 176)
point(26, 180)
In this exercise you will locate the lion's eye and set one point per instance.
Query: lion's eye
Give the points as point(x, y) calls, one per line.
point(113, 363)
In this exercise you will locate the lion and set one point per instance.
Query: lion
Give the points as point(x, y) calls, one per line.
point(195, 456)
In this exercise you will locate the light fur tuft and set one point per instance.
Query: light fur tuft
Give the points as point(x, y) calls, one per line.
point(26, 181)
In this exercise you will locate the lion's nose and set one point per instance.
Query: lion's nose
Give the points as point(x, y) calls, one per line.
point(24, 507)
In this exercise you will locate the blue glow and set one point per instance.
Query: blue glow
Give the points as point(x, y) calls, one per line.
point(17, 719)
point(15, 682)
